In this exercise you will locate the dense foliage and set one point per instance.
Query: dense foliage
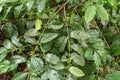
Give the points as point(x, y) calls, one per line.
point(60, 39)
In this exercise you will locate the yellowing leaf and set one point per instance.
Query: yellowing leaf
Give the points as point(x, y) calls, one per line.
point(38, 24)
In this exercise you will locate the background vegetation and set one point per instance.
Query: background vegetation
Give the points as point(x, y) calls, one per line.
point(60, 39)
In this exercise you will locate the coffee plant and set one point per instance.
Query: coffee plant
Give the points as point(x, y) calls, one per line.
point(60, 39)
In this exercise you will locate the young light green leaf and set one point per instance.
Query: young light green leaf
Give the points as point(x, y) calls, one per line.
point(76, 71)
point(20, 76)
point(38, 24)
point(49, 37)
point(102, 12)
point(90, 13)
point(96, 59)
point(17, 59)
point(77, 48)
point(51, 58)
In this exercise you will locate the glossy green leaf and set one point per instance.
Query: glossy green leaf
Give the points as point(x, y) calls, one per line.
point(78, 59)
point(4, 66)
point(30, 4)
point(18, 10)
point(38, 24)
point(76, 71)
point(46, 47)
point(50, 75)
point(15, 41)
point(51, 58)
point(9, 30)
point(79, 35)
point(29, 39)
point(96, 59)
point(31, 32)
point(8, 44)
point(90, 13)
point(41, 5)
point(55, 27)
point(1, 8)
point(20, 76)
point(18, 59)
point(5, 13)
point(89, 54)
point(37, 63)
point(59, 66)
point(102, 12)
point(3, 50)
point(115, 75)
point(77, 48)
point(48, 37)
point(61, 44)
point(2, 57)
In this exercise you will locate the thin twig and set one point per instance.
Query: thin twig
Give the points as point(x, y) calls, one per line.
point(102, 35)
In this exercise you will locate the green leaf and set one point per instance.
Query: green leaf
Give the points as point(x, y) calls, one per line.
point(3, 50)
point(49, 37)
point(18, 10)
point(29, 39)
point(13, 67)
point(77, 48)
point(61, 44)
point(31, 32)
point(102, 12)
point(15, 41)
point(41, 5)
point(55, 27)
point(38, 24)
point(96, 59)
point(2, 57)
point(20, 76)
point(7, 44)
point(90, 13)
point(44, 16)
point(46, 47)
point(51, 58)
point(5, 13)
point(89, 54)
point(9, 30)
point(113, 75)
point(37, 63)
point(29, 4)
point(79, 35)
point(1, 7)
point(78, 59)
point(17, 59)
point(4, 66)
point(50, 75)
point(76, 71)
point(59, 66)
point(10, 1)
